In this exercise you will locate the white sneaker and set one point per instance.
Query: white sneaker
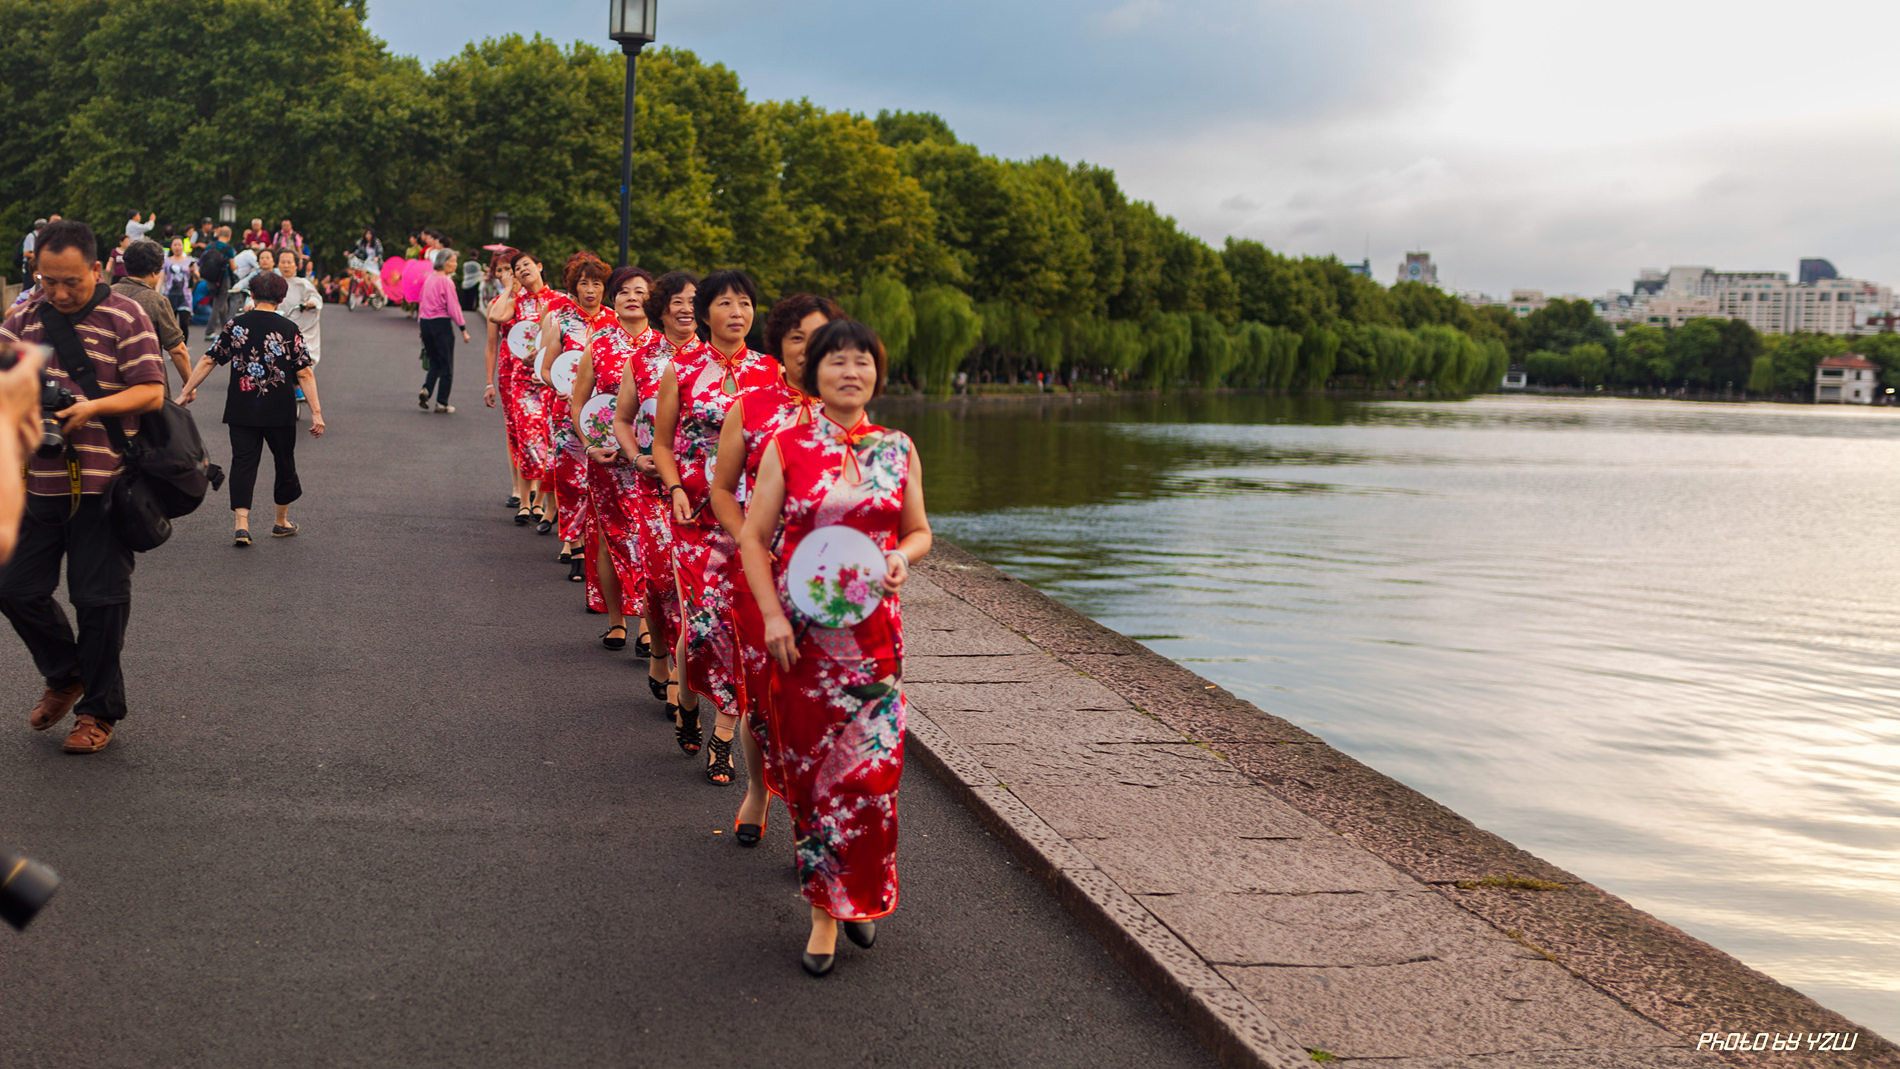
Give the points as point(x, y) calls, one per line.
point(445, 410)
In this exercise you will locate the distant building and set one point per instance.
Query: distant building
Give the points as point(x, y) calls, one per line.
point(1516, 378)
point(1820, 304)
point(1362, 268)
point(1524, 302)
point(1848, 379)
point(1418, 267)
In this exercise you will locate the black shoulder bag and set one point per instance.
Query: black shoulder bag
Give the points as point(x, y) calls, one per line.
point(166, 473)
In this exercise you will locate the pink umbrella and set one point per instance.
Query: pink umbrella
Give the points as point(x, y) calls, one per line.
point(414, 273)
point(392, 272)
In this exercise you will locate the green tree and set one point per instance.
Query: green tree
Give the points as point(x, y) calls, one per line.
point(948, 328)
point(885, 305)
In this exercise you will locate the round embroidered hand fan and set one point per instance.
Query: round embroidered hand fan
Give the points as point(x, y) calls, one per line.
point(834, 574)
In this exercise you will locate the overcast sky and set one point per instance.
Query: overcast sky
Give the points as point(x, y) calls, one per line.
point(1550, 144)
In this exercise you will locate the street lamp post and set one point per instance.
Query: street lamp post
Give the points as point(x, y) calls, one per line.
point(227, 209)
point(499, 226)
point(631, 24)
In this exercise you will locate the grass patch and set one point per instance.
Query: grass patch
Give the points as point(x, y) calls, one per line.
point(1319, 1055)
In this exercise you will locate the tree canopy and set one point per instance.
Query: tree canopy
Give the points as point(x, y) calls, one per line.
point(998, 267)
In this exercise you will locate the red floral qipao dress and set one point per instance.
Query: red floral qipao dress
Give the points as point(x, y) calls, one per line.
point(765, 410)
point(569, 459)
point(522, 406)
point(704, 555)
point(648, 365)
point(837, 717)
point(614, 500)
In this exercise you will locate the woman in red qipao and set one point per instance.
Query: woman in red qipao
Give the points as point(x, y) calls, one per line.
point(614, 499)
point(694, 398)
point(838, 715)
point(567, 323)
point(670, 311)
point(514, 335)
point(756, 416)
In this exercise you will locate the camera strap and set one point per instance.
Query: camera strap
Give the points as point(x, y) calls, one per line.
point(69, 353)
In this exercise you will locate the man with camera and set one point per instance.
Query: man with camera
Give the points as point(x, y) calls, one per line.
point(66, 485)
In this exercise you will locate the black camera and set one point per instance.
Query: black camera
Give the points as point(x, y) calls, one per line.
point(53, 398)
point(25, 885)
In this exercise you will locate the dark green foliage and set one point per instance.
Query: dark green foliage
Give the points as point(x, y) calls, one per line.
point(1003, 268)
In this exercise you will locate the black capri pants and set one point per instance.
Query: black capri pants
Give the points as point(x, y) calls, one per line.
point(247, 450)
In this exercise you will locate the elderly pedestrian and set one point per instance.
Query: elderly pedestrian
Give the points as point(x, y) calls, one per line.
point(439, 308)
point(267, 355)
point(83, 320)
point(144, 269)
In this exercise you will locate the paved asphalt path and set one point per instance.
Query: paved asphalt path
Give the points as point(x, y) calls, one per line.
point(383, 799)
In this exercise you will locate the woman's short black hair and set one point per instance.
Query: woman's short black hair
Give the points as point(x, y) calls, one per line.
point(789, 312)
point(670, 285)
point(269, 287)
point(624, 275)
point(144, 257)
point(837, 335)
point(722, 282)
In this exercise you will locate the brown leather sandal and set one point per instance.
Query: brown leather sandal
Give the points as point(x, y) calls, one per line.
point(90, 735)
point(54, 705)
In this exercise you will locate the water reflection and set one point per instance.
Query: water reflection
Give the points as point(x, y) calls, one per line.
point(1653, 642)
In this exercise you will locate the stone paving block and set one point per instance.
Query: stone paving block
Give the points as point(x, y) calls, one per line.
point(1005, 726)
point(1638, 1058)
point(1187, 862)
point(1180, 764)
point(1407, 829)
point(1103, 812)
point(1184, 699)
point(1352, 928)
point(1002, 668)
point(1048, 697)
point(994, 641)
point(1466, 1006)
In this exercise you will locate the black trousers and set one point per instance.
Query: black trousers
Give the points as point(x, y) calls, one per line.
point(99, 581)
point(247, 449)
point(184, 321)
point(438, 340)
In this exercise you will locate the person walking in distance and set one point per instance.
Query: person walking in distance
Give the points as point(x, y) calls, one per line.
point(65, 516)
point(181, 271)
point(266, 353)
point(302, 305)
point(214, 268)
point(144, 267)
point(439, 308)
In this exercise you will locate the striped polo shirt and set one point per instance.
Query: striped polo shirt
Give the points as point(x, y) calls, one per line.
point(118, 336)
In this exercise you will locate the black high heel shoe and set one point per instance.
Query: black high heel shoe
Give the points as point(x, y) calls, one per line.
point(658, 687)
point(575, 570)
point(817, 964)
point(750, 834)
point(643, 645)
point(721, 763)
point(687, 732)
point(863, 933)
point(608, 640)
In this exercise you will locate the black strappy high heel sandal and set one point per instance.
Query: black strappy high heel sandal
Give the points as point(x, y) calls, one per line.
point(687, 732)
point(575, 570)
point(643, 645)
point(608, 640)
point(721, 764)
point(658, 687)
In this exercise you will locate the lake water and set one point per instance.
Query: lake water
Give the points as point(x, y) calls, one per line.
point(1655, 643)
